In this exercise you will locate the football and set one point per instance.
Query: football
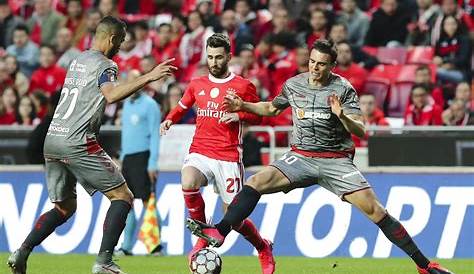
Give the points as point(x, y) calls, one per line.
point(206, 261)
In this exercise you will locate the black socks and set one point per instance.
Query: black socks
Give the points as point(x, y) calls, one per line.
point(45, 225)
point(113, 226)
point(397, 234)
point(240, 208)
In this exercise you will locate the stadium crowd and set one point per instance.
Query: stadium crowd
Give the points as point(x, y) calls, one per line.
point(408, 59)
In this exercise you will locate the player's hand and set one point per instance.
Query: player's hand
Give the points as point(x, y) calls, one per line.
point(335, 104)
point(232, 102)
point(164, 69)
point(229, 118)
point(152, 174)
point(165, 126)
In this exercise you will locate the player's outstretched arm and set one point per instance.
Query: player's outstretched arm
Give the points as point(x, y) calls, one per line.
point(352, 123)
point(114, 93)
point(234, 103)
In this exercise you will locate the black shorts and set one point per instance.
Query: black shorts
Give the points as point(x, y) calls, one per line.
point(135, 171)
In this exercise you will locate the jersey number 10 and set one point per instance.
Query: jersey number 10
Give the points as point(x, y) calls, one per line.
point(65, 92)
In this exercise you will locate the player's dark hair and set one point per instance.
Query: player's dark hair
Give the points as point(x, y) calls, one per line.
point(218, 40)
point(22, 27)
point(111, 25)
point(326, 47)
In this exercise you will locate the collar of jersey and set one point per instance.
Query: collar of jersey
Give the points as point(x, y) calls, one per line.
point(223, 80)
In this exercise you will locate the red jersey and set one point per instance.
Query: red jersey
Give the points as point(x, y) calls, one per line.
point(356, 75)
point(429, 115)
point(49, 79)
point(126, 61)
point(216, 140)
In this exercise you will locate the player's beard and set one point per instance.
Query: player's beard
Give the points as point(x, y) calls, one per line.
point(112, 52)
point(218, 72)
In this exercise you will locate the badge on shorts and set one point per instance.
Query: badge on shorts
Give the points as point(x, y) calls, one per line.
point(300, 113)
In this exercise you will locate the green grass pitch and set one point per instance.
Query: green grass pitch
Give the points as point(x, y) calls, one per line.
point(81, 264)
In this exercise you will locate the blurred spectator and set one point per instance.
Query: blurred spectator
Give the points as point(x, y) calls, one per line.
point(192, 45)
point(20, 81)
point(421, 112)
point(126, 59)
point(142, 7)
point(49, 76)
point(238, 35)
point(357, 21)
point(450, 7)
point(164, 46)
point(301, 59)
point(453, 52)
point(45, 22)
point(178, 28)
point(10, 100)
point(65, 51)
point(8, 22)
point(252, 155)
point(41, 102)
point(338, 34)
point(143, 44)
point(174, 94)
point(108, 7)
point(280, 21)
point(75, 20)
point(206, 9)
point(188, 6)
point(389, 24)
point(457, 114)
point(371, 115)
point(156, 89)
point(345, 67)
point(319, 28)
point(282, 64)
point(5, 79)
point(92, 21)
point(247, 66)
point(419, 29)
point(25, 51)
point(245, 15)
point(36, 140)
point(424, 76)
point(463, 92)
point(26, 113)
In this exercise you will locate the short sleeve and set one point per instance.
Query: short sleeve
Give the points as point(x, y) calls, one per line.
point(281, 101)
point(350, 102)
point(109, 75)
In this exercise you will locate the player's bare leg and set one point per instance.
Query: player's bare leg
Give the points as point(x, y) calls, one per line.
point(268, 180)
point(121, 199)
point(366, 201)
point(191, 181)
point(45, 225)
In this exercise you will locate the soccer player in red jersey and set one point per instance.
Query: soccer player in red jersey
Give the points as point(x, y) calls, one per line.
point(215, 155)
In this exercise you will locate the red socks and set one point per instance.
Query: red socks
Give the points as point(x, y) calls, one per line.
point(250, 232)
point(195, 204)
